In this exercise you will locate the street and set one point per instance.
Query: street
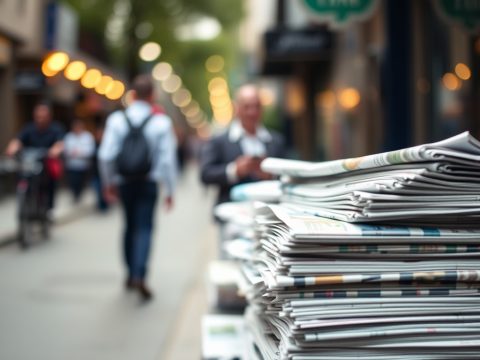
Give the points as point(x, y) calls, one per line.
point(65, 298)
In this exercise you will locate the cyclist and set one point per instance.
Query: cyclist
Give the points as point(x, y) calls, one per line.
point(42, 134)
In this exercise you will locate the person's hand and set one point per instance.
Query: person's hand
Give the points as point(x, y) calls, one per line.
point(110, 194)
point(262, 175)
point(9, 152)
point(168, 203)
point(55, 150)
point(247, 165)
point(13, 148)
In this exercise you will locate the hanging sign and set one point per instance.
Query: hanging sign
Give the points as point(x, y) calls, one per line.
point(340, 13)
point(465, 13)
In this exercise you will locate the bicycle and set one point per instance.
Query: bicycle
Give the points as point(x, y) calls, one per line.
point(32, 195)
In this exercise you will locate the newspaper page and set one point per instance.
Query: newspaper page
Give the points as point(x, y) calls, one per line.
point(461, 149)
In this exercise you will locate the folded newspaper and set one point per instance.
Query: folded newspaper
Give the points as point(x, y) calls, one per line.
point(430, 184)
point(462, 149)
point(325, 289)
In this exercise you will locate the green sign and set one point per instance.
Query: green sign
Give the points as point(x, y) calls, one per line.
point(463, 12)
point(340, 12)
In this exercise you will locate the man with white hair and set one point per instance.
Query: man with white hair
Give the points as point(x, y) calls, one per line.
point(234, 156)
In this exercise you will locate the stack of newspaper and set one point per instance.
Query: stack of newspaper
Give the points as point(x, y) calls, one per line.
point(427, 184)
point(326, 289)
point(320, 288)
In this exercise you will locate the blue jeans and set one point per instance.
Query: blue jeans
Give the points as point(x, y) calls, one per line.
point(138, 200)
point(76, 181)
point(97, 185)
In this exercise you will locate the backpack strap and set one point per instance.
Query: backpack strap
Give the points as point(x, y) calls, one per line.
point(141, 126)
point(145, 121)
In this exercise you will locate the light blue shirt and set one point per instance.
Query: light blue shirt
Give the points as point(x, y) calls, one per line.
point(161, 139)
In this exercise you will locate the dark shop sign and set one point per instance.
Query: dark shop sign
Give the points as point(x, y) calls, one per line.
point(307, 44)
point(339, 13)
point(30, 80)
point(465, 13)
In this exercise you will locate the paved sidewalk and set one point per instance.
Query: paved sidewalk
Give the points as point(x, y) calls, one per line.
point(65, 211)
point(64, 299)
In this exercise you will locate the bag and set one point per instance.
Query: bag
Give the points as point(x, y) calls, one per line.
point(54, 168)
point(134, 160)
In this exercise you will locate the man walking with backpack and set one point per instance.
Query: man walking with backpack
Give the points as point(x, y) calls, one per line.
point(138, 150)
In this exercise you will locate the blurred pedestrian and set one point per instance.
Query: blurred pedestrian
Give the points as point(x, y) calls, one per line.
point(234, 156)
point(42, 134)
point(78, 153)
point(138, 194)
point(102, 204)
point(182, 153)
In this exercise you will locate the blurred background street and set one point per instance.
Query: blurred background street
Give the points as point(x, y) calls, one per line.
point(336, 79)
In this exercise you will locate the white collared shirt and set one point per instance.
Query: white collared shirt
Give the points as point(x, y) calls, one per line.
point(251, 145)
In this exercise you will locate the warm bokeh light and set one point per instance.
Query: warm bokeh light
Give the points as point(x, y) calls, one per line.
point(196, 119)
point(463, 71)
point(47, 71)
point(224, 114)
point(162, 71)
point(150, 51)
point(326, 99)
point(75, 70)
point(91, 78)
point(172, 83)
point(295, 97)
point(214, 64)
point(115, 90)
point(223, 118)
point(104, 85)
point(182, 97)
point(451, 82)
point(191, 110)
point(349, 98)
point(219, 91)
point(217, 83)
point(57, 61)
point(219, 101)
point(267, 97)
point(226, 110)
point(199, 125)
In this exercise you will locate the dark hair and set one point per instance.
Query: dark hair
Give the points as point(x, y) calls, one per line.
point(143, 87)
point(76, 121)
point(45, 103)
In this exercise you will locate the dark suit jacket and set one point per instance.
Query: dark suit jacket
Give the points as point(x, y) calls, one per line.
point(220, 150)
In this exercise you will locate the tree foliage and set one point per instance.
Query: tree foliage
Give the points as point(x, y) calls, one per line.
point(163, 15)
point(101, 17)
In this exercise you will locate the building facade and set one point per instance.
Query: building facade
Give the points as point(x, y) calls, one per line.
point(360, 77)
